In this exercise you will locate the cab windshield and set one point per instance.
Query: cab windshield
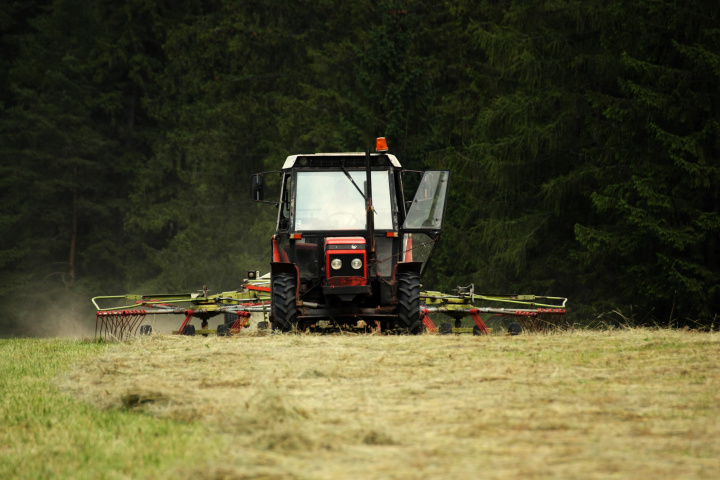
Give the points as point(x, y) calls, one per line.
point(329, 201)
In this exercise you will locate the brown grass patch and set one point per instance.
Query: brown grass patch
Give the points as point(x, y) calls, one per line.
point(618, 403)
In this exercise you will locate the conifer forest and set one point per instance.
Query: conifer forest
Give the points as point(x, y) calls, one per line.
point(583, 138)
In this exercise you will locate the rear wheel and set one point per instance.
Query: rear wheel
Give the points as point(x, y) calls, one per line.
point(284, 305)
point(408, 294)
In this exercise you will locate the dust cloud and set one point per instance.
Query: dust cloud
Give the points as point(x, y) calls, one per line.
point(59, 322)
point(64, 314)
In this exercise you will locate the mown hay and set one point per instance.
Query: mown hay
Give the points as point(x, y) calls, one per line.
point(639, 403)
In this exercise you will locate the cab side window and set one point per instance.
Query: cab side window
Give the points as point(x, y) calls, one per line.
point(285, 205)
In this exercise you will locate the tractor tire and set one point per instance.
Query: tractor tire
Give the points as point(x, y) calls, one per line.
point(408, 295)
point(284, 303)
point(146, 330)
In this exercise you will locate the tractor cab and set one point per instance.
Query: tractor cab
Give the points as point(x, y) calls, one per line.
point(346, 240)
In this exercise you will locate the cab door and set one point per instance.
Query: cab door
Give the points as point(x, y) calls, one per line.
point(425, 218)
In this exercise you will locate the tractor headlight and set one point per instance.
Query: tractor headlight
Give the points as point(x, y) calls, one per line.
point(336, 264)
point(356, 264)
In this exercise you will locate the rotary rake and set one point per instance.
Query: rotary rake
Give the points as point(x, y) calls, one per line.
point(120, 322)
point(533, 313)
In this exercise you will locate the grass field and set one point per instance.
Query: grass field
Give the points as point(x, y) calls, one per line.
point(588, 404)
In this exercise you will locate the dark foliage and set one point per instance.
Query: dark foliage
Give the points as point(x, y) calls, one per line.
point(582, 135)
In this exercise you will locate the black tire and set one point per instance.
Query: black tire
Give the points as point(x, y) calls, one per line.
point(284, 303)
point(476, 330)
point(408, 294)
point(223, 329)
point(189, 330)
point(146, 330)
point(514, 328)
point(445, 329)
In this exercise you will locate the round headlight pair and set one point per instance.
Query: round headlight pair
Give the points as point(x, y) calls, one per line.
point(336, 264)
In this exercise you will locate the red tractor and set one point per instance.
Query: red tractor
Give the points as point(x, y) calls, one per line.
point(348, 247)
point(348, 250)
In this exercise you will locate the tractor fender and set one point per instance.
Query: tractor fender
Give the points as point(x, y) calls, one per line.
point(405, 267)
point(282, 267)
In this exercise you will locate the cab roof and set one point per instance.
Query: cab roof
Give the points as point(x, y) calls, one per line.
point(326, 159)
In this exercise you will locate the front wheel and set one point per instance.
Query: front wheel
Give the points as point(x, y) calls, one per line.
point(408, 295)
point(284, 303)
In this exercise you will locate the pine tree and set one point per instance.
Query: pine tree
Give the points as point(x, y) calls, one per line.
point(70, 145)
point(515, 119)
point(656, 218)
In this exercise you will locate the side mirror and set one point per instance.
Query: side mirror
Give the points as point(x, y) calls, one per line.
point(257, 187)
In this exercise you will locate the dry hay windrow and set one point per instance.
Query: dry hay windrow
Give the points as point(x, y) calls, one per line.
point(570, 405)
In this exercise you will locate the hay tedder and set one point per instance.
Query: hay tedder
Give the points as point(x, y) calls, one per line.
point(347, 254)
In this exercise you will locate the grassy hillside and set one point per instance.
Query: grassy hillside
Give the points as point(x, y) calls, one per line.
point(610, 404)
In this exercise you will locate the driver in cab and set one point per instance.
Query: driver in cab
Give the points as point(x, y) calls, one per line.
point(344, 208)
